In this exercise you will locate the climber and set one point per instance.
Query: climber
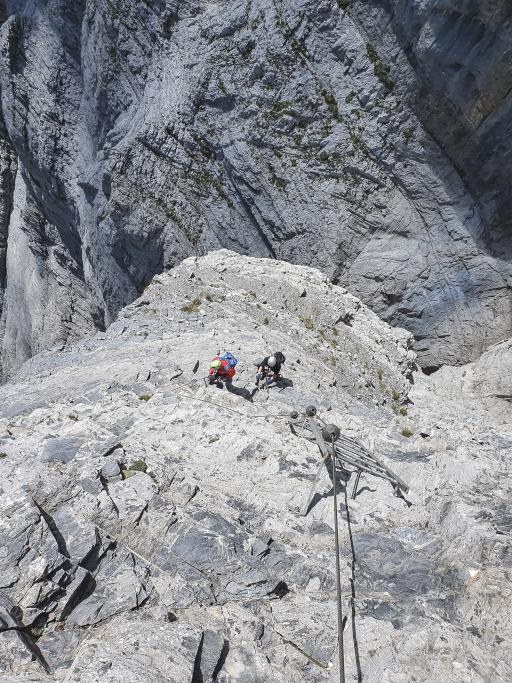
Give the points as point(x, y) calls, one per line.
point(269, 368)
point(222, 368)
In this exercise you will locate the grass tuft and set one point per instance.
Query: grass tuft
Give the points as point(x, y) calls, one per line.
point(308, 323)
point(192, 306)
point(138, 466)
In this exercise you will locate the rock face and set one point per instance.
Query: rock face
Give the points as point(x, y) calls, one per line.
point(138, 133)
point(151, 527)
point(460, 53)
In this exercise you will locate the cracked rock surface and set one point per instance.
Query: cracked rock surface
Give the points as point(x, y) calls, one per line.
point(151, 527)
point(134, 134)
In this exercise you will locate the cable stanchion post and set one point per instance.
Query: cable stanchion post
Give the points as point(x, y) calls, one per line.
point(330, 434)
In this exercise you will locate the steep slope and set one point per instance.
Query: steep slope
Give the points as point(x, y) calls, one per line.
point(202, 567)
point(145, 132)
point(460, 83)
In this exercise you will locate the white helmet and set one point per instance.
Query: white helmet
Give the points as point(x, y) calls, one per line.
point(272, 361)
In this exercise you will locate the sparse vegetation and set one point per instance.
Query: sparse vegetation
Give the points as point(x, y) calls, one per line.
point(3, 455)
point(407, 432)
point(308, 322)
point(192, 306)
point(408, 134)
point(144, 397)
point(350, 96)
point(266, 321)
point(213, 439)
point(344, 5)
point(379, 375)
point(331, 103)
point(403, 411)
point(332, 342)
point(73, 417)
point(113, 10)
point(247, 49)
point(280, 183)
point(274, 113)
point(138, 466)
point(395, 395)
point(380, 69)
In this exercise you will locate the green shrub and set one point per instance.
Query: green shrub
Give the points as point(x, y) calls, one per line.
point(3, 455)
point(395, 395)
point(407, 432)
point(403, 411)
point(144, 397)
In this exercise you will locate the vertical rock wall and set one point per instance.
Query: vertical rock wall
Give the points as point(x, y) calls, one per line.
point(148, 131)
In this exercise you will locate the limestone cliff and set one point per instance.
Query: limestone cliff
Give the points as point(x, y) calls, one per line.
point(144, 132)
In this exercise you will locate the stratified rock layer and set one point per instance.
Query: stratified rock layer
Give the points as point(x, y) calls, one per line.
point(151, 527)
point(148, 131)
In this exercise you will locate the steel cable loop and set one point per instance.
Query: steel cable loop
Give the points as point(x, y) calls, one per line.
point(341, 653)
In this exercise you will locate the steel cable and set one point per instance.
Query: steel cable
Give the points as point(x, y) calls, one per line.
point(341, 653)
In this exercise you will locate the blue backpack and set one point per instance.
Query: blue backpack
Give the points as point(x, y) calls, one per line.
point(230, 359)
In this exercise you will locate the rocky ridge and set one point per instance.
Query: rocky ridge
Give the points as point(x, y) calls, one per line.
point(151, 527)
point(134, 134)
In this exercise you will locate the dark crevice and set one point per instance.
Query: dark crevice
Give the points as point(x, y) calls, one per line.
point(28, 638)
point(431, 369)
point(91, 561)
point(280, 591)
point(82, 592)
point(222, 660)
point(141, 515)
point(197, 674)
point(54, 529)
point(104, 483)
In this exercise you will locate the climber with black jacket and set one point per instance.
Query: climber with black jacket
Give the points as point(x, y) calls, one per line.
point(269, 368)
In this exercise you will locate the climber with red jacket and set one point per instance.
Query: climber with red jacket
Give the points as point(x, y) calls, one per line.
point(222, 368)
